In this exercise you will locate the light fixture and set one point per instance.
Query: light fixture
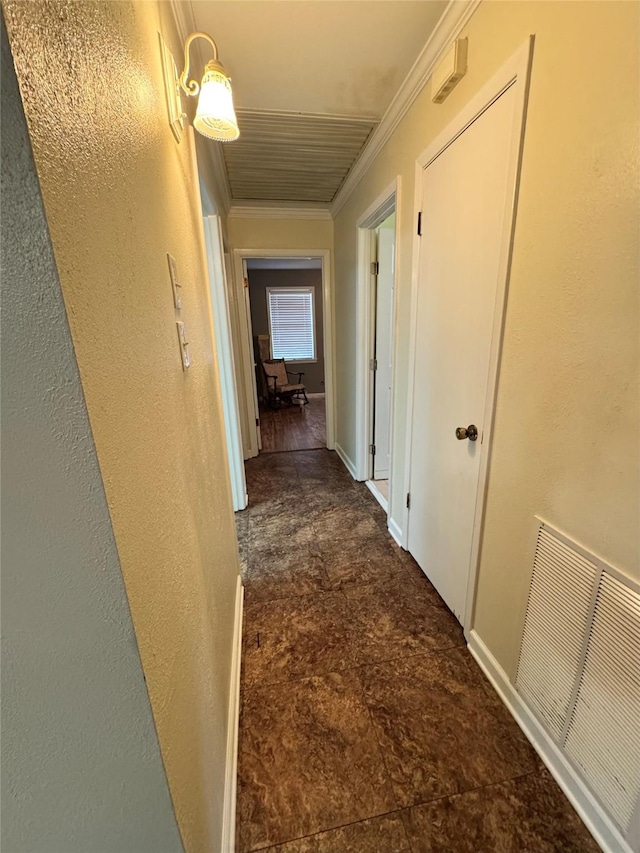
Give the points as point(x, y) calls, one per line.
point(215, 116)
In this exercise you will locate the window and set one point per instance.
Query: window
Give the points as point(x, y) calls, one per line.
point(292, 323)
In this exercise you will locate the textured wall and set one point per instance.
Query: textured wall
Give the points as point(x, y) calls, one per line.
point(565, 437)
point(118, 196)
point(81, 765)
point(259, 281)
point(280, 233)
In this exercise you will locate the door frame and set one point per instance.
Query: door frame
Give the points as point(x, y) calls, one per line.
point(220, 304)
point(385, 204)
point(515, 72)
point(212, 249)
point(239, 257)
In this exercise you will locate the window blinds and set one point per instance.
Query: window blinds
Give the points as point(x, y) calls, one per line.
point(291, 324)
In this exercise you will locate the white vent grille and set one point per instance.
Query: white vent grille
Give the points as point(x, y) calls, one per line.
point(579, 669)
point(604, 734)
point(557, 617)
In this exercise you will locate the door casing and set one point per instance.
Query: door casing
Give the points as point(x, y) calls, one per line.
point(386, 203)
point(516, 72)
point(221, 318)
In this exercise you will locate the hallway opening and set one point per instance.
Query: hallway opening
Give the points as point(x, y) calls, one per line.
point(287, 322)
point(286, 348)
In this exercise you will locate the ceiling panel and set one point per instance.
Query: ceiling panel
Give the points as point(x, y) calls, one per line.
point(317, 56)
point(284, 156)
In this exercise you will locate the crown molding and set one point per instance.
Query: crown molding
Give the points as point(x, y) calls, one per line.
point(184, 18)
point(451, 23)
point(272, 211)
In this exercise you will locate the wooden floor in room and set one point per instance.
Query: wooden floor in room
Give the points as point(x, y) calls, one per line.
point(294, 427)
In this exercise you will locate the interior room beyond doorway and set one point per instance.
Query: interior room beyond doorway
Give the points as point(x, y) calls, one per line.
point(286, 310)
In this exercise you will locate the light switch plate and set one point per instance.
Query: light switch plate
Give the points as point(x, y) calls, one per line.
point(184, 345)
point(175, 286)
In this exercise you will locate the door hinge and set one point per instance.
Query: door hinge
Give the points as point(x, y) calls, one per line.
point(373, 364)
point(375, 267)
point(257, 421)
point(408, 500)
point(372, 449)
point(420, 223)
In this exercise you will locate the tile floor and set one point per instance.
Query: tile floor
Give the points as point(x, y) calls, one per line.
point(366, 726)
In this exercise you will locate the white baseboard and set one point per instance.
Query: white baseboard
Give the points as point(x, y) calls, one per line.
point(375, 491)
point(348, 464)
point(231, 774)
point(395, 531)
point(590, 811)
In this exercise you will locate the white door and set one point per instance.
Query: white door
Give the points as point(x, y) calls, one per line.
point(464, 203)
point(383, 347)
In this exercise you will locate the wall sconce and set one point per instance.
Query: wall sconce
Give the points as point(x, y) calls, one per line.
point(215, 116)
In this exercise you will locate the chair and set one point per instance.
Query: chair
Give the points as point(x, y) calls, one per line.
point(279, 388)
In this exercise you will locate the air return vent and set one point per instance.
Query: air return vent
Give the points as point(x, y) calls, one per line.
point(604, 733)
point(579, 668)
point(558, 612)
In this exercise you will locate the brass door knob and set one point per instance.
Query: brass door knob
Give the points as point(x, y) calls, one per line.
point(470, 432)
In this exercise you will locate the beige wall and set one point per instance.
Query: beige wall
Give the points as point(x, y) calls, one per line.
point(246, 233)
point(566, 435)
point(118, 196)
point(75, 711)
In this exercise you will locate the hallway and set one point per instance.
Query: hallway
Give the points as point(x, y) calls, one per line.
point(365, 724)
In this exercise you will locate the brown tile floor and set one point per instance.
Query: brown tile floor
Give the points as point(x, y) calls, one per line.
point(366, 726)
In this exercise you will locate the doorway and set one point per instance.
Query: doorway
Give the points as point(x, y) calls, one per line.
point(383, 302)
point(287, 315)
point(465, 194)
point(376, 319)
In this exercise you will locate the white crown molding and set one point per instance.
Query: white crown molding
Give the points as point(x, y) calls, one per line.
point(272, 211)
point(453, 19)
point(184, 18)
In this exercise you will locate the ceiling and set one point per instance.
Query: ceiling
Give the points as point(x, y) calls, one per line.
point(311, 80)
point(293, 156)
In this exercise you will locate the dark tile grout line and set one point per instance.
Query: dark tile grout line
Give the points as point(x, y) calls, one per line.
point(298, 450)
point(352, 669)
point(341, 589)
point(400, 811)
point(331, 829)
point(403, 810)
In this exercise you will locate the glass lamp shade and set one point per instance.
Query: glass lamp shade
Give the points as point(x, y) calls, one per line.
point(215, 116)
